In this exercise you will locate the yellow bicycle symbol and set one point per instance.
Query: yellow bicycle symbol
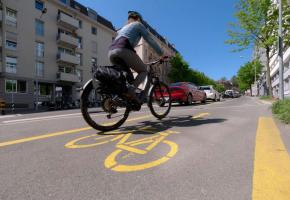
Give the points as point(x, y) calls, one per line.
point(127, 148)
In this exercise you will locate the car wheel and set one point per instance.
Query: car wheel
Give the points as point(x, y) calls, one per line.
point(189, 99)
point(204, 100)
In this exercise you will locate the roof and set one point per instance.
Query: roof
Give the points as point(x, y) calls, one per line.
point(160, 37)
point(105, 22)
point(91, 14)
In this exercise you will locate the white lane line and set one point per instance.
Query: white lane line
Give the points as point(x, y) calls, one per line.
point(40, 118)
point(78, 115)
point(9, 116)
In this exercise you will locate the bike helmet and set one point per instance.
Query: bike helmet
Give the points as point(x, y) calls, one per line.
point(134, 14)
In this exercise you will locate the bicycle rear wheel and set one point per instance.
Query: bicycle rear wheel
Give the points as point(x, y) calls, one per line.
point(102, 112)
point(160, 100)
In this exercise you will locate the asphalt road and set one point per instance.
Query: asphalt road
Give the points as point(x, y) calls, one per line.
point(212, 151)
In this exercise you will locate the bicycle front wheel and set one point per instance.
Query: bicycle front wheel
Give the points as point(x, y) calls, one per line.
point(160, 100)
point(100, 111)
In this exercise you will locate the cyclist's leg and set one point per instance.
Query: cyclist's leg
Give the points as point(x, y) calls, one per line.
point(133, 61)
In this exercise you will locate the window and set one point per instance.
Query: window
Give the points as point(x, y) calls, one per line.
point(94, 46)
point(39, 27)
point(39, 5)
point(39, 49)
point(10, 86)
point(39, 69)
point(94, 61)
point(11, 64)
point(66, 69)
point(11, 45)
point(64, 50)
point(63, 1)
point(15, 86)
point(44, 89)
point(80, 24)
point(94, 30)
point(21, 86)
point(11, 17)
point(80, 56)
point(80, 42)
point(79, 73)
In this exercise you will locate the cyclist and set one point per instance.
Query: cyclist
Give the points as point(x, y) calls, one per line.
point(123, 48)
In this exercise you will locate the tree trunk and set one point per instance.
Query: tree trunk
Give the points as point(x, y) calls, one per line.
point(251, 91)
point(268, 77)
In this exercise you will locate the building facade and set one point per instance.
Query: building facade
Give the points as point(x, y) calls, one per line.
point(274, 69)
point(48, 48)
point(147, 53)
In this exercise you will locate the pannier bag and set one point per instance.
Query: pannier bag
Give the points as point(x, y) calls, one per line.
point(113, 79)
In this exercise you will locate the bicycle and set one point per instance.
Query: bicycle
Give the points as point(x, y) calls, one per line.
point(99, 101)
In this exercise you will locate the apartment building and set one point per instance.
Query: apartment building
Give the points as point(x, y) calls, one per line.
point(147, 53)
point(47, 49)
point(274, 69)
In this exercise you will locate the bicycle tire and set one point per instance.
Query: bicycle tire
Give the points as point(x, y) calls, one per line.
point(84, 109)
point(151, 99)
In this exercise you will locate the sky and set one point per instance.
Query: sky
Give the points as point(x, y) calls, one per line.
point(198, 29)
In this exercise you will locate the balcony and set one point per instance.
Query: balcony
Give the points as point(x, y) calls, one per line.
point(287, 74)
point(275, 83)
point(66, 77)
point(67, 58)
point(67, 40)
point(67, 21)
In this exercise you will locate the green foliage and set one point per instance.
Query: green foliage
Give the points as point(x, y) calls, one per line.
point(180, 71)
point(266, 98)
point(246, 74)
point(281, 109)
point(235, 82)
point(220, 88)
point(257, 25)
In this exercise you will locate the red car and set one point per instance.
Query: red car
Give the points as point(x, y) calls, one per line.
point(185, 92)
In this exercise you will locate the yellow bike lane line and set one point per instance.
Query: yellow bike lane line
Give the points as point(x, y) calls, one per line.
point(39, 137)
point(49, 135)
point(271, 178)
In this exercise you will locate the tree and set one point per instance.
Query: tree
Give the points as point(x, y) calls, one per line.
point(246, 74)
point(257, 25)
point(179, 69)
point(235, 82)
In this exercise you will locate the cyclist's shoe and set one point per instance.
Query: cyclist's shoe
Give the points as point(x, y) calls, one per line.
point(133, 95)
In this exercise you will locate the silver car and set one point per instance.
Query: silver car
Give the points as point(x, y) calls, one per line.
point(211, 93)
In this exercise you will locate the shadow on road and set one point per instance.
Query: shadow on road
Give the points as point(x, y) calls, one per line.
point(168, 123)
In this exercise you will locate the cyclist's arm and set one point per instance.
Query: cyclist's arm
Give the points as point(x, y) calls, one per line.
point(146, 35)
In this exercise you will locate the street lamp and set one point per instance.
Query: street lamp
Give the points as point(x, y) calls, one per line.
point(280, 54)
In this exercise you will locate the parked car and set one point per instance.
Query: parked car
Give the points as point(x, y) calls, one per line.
point(211, 93)
point(186, 92)
point(229, 94)
point(232, 94)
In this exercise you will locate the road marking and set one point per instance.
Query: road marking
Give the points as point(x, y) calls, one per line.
point(41, 118)
point(112, 163)
point(200, 115)
point(9, 116)
point(39, 137)
point(271, 179)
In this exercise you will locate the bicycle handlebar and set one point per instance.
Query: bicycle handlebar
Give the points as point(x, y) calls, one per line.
point(161, 60)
